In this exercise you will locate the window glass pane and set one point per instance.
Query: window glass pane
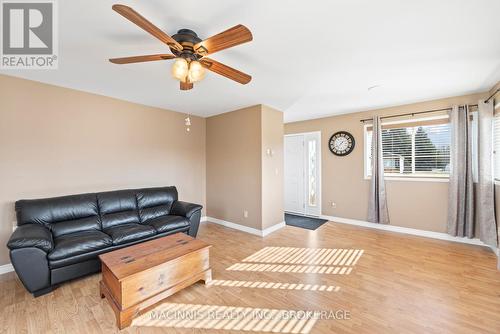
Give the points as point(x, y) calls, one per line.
point(368, 150)
point(416, 150)
point(432, 149)
point(312, 172)
point(397, 150)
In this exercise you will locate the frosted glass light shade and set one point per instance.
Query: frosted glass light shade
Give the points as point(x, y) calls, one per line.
point(196, 71)
point(180, 69)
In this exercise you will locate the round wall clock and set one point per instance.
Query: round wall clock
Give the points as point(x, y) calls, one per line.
point(341, 143)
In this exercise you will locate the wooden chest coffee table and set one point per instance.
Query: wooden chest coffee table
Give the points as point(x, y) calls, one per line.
point(136, 278)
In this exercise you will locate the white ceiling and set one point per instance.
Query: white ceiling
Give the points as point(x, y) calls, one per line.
point(309, 58)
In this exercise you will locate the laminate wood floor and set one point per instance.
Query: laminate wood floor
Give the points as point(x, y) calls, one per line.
point(383, 282)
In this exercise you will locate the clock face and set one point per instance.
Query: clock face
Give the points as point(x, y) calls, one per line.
point(341, 143)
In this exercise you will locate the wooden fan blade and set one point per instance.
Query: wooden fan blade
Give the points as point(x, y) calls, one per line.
point(186, 85)
point(140, 21)
point(140, 59)
point(234, 36)
point(225, 70)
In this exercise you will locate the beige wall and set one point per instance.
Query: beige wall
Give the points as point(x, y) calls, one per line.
point(415, 204)
point(240, 175)
point(57, 141)
point(234, 166)
point(272, 167)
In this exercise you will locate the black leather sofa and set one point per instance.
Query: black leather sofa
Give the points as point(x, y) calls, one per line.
point(59, 239)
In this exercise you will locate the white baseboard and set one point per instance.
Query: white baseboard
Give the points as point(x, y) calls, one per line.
point(251, 230)
point(405, 230)
point(6, 268)
point(273, 228)
point(362, 223)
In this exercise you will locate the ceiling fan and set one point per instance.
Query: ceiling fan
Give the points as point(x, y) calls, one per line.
point(188, 50)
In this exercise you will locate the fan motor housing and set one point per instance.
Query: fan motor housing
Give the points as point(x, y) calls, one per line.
point(187, 38)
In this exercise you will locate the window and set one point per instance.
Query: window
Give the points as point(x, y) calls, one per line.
point(415, 148)
point(496, 146)
point(312, 163)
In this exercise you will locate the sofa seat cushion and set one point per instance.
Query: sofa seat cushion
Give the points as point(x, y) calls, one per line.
point(73, 244)
point(124, 233)
point(168, 223)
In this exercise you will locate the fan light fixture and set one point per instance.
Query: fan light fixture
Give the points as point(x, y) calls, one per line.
point(192, 71)
point(188, 51)
point(180, 69)
point(196, 71)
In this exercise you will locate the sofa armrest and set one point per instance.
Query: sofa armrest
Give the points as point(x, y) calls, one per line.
point(31, 235)
point(185, 209)
point(190, 211)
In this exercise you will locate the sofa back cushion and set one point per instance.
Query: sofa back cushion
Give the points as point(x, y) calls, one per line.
point(155, 202)
point(62, 215)
point(117, 208)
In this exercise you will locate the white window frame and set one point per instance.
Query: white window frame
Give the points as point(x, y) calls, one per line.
point(415, 177)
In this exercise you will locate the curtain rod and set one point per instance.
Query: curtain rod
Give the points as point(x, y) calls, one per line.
point(491, 96)
point(414, 113)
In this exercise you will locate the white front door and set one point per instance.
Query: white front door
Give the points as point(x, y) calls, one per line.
point(303, 173)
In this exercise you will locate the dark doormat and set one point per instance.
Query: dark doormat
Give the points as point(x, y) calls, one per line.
point(304, 222)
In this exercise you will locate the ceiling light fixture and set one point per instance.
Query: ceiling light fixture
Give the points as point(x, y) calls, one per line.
point(196, 71)
point(188, 70)
point(180, 69)
point(373, 87)
point(189, 51)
